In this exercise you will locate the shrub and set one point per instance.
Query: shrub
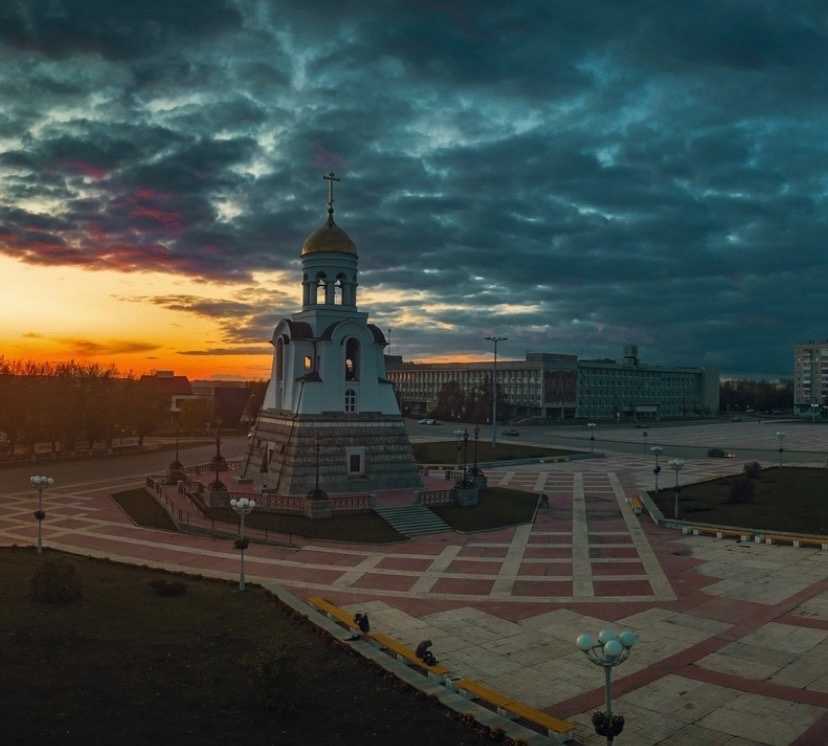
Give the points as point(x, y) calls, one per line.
point(716, 453)
point(742, 491)
point(753, 470)
point(56, 582)
point(168, 587)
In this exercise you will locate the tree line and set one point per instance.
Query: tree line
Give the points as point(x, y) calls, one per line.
point(761, 396)
point(68, 403)
point(454, 403)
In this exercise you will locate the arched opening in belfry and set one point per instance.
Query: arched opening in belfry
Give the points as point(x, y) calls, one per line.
point(352, 359)
point(339, 289)
point(321, 283)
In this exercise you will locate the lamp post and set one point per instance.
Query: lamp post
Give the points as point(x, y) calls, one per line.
point(465, 456)
point(644, 436)
point(656, 451)
point(780, 437)
point(676, 464)
point(814, 410)
point(591, 426)
point(40, 482)
point(476, 440)
point(243, 506)
point(458, 433)
point(608, 651)
point(494, 341)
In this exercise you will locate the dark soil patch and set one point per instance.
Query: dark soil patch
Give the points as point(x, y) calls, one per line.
point(787, 499)
point(358, 527)
point(498, 507)
point(214, 666)
point(144, 509)
point(445, 452)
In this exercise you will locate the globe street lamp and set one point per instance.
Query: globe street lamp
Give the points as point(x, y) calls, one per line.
point(676, 464)
point(40, 482)
point(592, 426)
point(243, 506)
point(608, 651)
point(780, 437)
point(656, 451)
point(495, 341)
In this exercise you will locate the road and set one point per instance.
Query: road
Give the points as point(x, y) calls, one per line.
point(135, 464)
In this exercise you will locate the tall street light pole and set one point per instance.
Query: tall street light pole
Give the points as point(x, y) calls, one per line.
point(40, 482)
point(656, 450)
point(780, 437)
point(243, 506)
point(494, 341)
point(676, 464)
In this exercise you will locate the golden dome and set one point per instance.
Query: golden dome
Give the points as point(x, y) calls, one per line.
point(328, 237)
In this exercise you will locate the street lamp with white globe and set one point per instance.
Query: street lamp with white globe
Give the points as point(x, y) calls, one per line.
point(591, 426)
point(40, 482)
point(676, 464)
point(780, 437)
point(243, 506)
point(656, 451)
point(608, 651)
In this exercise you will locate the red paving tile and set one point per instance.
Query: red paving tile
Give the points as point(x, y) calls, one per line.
point(612, 552)
point(535, 540)
point(562, 588)
point(404, 563)
point(470, 567)
point(548, 552)
point(622, 587)
point(617, 539)
point(326, 558)
point(457, 585)
point(625, 568)
point(545, 568)
point(468, 551)
point(386, 582)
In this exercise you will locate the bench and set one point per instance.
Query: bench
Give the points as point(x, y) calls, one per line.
point(512, 707)
point(820, 542)
point(398, 650)
point(333, 611)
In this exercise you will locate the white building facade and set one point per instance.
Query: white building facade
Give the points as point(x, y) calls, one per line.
point(810, 378)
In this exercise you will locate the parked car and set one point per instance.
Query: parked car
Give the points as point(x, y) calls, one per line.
point(427, 421)
point(510, 433)
point(719, 453)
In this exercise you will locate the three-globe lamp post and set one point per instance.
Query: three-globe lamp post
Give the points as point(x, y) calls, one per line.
point(608, 651)
point(40, 482)
point(676, 464)
point(243, 507)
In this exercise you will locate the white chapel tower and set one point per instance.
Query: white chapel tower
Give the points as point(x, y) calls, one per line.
point(328, 393)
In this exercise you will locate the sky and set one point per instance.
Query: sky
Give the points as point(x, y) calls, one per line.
point(574, 175)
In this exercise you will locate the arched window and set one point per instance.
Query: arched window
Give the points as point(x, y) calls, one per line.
point(350, 401)
point(321, 282)
point(352, 360)
point(339, 287)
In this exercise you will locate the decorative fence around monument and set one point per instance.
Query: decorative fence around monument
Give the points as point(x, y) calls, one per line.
point(435, 497)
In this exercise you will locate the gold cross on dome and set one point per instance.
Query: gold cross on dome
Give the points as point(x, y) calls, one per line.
point(331, 178)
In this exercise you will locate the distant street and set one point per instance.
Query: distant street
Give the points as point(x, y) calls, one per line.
point(132, 465)
point(746, 440)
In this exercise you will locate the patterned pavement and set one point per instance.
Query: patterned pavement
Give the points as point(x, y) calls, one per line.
point(734, 638)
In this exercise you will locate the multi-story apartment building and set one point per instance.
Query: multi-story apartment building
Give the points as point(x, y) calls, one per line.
point(555, 386)
point(810, 377)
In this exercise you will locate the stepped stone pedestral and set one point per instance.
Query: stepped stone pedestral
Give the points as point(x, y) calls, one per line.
point(358, 453)
point(467, 496)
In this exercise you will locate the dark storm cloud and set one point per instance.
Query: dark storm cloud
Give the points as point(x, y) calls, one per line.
point(576, 175)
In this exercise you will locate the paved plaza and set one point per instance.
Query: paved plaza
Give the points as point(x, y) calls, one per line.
point(734, 638)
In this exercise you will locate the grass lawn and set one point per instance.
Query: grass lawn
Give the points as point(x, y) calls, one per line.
point(445, 452)
point(498, 507)
point(143, 509)
point(787, 499)
point(359, 527)
point(212, 667)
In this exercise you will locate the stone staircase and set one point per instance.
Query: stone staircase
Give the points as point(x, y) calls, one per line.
point(413, 520)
